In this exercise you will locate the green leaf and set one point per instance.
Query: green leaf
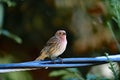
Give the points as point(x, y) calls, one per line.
point(73, 70)
point(12, 36)
point(58, 73)
point(10, 3)
point(16, 76)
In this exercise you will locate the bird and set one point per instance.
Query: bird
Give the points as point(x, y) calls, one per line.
point(54, 47)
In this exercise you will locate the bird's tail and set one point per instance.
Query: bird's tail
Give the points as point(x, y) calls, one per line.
point(42, 56)
point(14, 70)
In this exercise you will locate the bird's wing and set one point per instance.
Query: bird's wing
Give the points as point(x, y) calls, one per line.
point(52, 40)
point(50, 45)
point(49, 48)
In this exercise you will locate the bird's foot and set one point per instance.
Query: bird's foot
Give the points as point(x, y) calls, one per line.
point(60, 59)
point(53, 60)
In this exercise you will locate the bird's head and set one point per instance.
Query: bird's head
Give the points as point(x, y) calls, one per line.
point(61, 34)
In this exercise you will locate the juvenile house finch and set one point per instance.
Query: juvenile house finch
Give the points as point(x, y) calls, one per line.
point(55, 46)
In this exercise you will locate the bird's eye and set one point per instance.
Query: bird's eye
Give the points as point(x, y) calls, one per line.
point(64, 33)
point(60, 33)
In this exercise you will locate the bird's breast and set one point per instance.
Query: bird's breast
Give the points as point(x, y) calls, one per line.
point(61, 49)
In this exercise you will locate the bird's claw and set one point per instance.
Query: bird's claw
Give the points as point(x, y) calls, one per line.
point(59, 59)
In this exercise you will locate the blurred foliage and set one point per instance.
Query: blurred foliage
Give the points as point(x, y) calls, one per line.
point(13, 75)
point(67, 74)
point(113, 14)
point(74, 74)
point(11, 35)
point(3, 31)
point(113, 68)
point(10, 3)
point(95, 77)
point(32, 22)
point(113, 8)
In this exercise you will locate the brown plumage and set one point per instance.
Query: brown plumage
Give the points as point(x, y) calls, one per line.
point(55, 46)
